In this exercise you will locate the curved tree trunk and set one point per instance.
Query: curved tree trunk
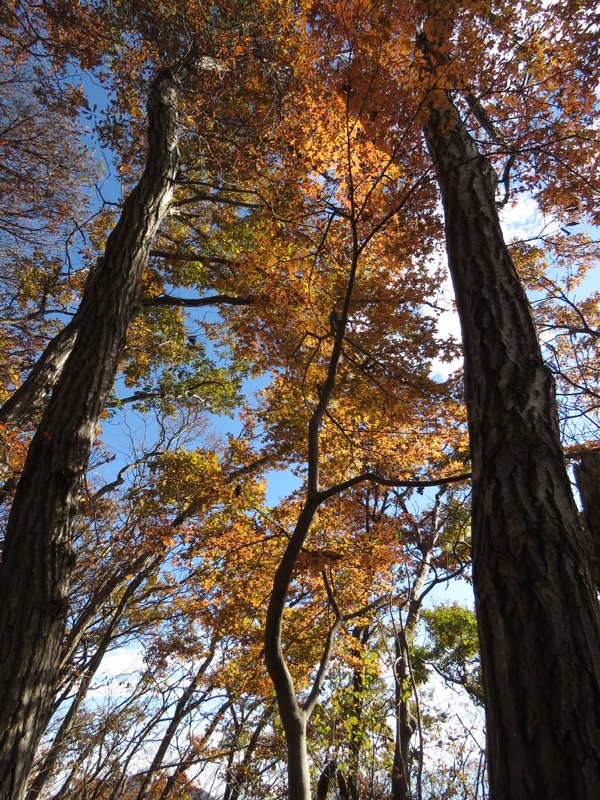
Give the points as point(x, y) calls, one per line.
point(37, 558)
point(536, 606)
point(294, 717)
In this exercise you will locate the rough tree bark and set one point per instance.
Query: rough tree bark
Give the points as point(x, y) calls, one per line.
point(536, 606)
point(37, 557)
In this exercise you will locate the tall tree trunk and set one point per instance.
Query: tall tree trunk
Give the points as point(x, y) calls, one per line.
point(37, 558)
point(538, 614)
point(406, 722)
point(295, 716)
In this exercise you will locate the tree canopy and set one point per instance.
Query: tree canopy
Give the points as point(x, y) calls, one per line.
point(239, 444)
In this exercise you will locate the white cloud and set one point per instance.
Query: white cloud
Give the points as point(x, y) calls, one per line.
point(118, 670)
point(122, 661)
point(523, 219)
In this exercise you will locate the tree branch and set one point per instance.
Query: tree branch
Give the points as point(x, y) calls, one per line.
point(198, 302)
point(309, 703)
point(374, 477)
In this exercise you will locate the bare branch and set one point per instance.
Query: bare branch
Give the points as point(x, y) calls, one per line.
point(198, 302)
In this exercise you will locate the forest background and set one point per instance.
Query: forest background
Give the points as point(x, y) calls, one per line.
point(281, 231)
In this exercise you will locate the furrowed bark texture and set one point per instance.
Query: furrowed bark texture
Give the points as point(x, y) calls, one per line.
point(37, 557)
point(537, 611)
